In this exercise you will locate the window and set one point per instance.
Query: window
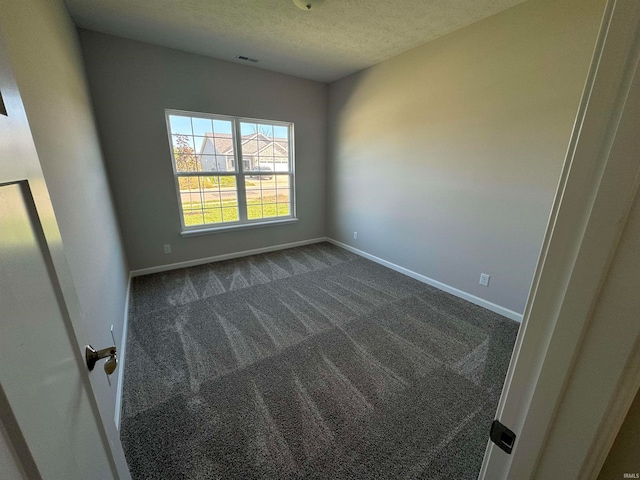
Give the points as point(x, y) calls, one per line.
point(216, 189)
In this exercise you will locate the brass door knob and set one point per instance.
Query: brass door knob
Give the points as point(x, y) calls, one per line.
point(92, 356)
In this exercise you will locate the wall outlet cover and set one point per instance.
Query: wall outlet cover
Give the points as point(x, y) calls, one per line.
point(484, 279)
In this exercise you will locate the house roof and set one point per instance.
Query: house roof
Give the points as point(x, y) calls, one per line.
point(253, 144)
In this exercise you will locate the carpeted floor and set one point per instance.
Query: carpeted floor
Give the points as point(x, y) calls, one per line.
point(307, 363)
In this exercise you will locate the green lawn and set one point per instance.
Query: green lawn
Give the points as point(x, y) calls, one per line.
point(195, 183)
point(227, 211)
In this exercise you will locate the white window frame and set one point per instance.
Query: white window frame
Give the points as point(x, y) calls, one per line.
point(239, 173)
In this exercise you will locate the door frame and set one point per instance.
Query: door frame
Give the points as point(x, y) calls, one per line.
point(593, 199)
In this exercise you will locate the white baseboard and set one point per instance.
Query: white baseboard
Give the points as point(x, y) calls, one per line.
point(122, 350)
point(227, 256)
point(505, 312)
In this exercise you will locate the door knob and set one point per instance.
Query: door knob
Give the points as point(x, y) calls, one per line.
point(92, 356)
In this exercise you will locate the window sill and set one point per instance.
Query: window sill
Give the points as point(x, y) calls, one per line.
point(241, 226)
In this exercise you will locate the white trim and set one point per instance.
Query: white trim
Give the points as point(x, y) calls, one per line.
point(122, 355)
point(505, 312)
point(236, 226)
point(226, 256)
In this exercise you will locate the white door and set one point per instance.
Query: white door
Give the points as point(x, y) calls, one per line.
point(41, 370)
point(596, 190)
point(48, 415)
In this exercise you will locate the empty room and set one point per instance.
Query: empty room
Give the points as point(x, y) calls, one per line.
point(326, 239)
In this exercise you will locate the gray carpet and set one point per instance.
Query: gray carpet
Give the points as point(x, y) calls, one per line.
point(307, 363)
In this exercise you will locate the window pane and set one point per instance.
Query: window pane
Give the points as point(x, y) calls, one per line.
point(281, 148)
point(262, 150)
point(253, 192)
point(281, 142)
point(283, 189)
point(230, 214)
point(267, 165)
point(258, 164)
point(284, 210)
point(212, 215)
point(265, 131)
point(216, 163)
point(212, 154)
point(184, 154)
point(184, 142)
point(208, 199)
point(265, 146)
point(228, 191)
point(281, 133)
point(202, 126)
point(203, 145)
point(249, 146)
point(252, 184)
point(180, 124)
point(258, 171)
point(269, 203)
point(224, 144)
point(191, 199)
point(223, 127)
point(283, 195)
point(281, 164)
point(269, 210)
point(267, 196)
point(254, 210)
point(248, 129)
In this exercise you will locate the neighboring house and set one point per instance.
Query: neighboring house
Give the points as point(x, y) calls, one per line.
point(258, 150)
point(216, 153)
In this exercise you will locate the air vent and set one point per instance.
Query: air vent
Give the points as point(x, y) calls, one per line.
point(247, 59)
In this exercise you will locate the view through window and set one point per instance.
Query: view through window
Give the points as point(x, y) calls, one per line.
point(214, 187)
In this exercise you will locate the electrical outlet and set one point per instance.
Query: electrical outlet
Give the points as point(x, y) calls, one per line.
point(484, 279)
point(167, 249)
point(355, 235)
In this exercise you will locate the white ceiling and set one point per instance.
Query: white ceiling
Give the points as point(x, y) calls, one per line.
point(338, 38)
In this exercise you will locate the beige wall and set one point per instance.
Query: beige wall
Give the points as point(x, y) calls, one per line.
point(132, 83)
point(445, 159)
point(45, 56)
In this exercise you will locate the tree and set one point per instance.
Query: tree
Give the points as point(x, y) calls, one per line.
point(186, 159)
point(265, 130)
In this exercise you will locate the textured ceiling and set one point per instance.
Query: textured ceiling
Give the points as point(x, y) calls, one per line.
point(336, 39)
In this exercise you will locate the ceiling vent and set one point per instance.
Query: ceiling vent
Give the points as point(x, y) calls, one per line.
point(247, 59)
